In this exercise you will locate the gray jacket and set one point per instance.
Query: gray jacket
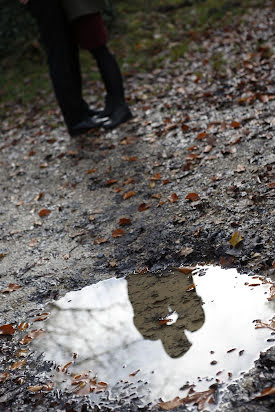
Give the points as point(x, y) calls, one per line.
point(77, 8)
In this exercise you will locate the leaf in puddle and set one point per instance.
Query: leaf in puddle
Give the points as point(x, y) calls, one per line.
point(143, 206)
point(236, 239)
point(135, 373)
point(186, 269)
point(18, 364)
point(32, 335)
point(193, 197)
point(4, 376)
point(44, 212)
point(11, 288)
point(164, 321)
point(66, 367)
point(167, 406)
point(41, 317)
point(118, 233)
point(267, 392)
point(191, 287)
point(260, 324)
point(124, 221)
point(23, 326)
point(7, 329)
point(129, 194)
point(173, 198)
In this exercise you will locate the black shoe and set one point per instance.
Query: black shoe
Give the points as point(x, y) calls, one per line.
point(83, 127)
point(120, 115)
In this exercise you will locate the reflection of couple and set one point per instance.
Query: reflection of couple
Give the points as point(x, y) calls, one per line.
point(64, 25)
point(154, 297)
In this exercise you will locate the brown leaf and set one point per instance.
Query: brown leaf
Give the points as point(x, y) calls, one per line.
point(23, 326)
point(118, 233)
point(35, 388)
point(156, 196)
point(156, 176)
point(7, 329)
point(100, 240)
point(22, 353)
point(44, 212)
point(91, 171)
point(236, 239)
point(143, 206)
point(129, 158)
point(164, 321)
point(129, 194)
point(173, 198)
point(66, 367)
point(240, 168)
point(135, 373)
point(18, 364)
point(267, 392)
point(167, 406)
point(235, 125)
point(41, 317)
point(193, 197)
point(124, 221)
point(33, 242)
point(260, 324)
point(111, 182)
point(186, 269)
point(32, 335)
point(11, 288)
point(191, 287)
point(184, 127)
point(202, 135)
point(4, 376)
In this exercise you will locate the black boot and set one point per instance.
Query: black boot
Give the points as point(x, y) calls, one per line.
point(83, 126)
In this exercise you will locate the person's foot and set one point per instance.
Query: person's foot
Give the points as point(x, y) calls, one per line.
point(84, 126)
point(120, 115)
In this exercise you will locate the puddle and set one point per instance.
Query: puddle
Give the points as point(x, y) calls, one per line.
point(149, 336)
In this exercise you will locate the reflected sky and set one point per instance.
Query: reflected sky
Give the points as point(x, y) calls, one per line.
point(173, 328)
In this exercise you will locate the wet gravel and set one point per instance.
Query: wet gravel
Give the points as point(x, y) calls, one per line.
point(209, 133)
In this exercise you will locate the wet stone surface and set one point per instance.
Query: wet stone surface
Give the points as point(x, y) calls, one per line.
point(149, 338)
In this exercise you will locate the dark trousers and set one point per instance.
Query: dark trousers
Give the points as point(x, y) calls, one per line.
point(63, 58)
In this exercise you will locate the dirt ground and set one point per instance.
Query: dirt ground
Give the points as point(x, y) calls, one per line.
point(194, 167)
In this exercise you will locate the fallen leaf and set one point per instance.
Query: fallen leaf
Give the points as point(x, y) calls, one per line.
point(143, 206)
point(32, 335)
point(173, 198)
point(91, 171)
point(156, 176)
point(124, 221)
point(267, 392)
point(66, 367)
point(164, 321)
point(235, 125)
point(7, 329)
point(4, 376)
point(236, 239)
point(113, 263)
point(100, 240)
point(231, 350)
point(23, 326)
point(18, 364)
point(33, 242)
point(41, 317)
point(202, 135)
point(129, 158)
point(158, 196)
point(22, 353)
point(191, 287)
point(78, 233)
point(166, 181)
point(129, 194)
point(11, 288)
point(2, 255)
point(167, 406)
point(135, 373)
point(111, 182)
point(193, 197)
point(240, 168)
point(260, 324)
point(44, 212)
point(118, 233)
point(186, 269)
point(35, 388)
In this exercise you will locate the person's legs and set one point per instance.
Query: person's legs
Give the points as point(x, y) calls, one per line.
point(63, 59)
point(115, 106)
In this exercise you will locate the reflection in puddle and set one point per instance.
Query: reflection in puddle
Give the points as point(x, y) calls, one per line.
point(160, 332)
